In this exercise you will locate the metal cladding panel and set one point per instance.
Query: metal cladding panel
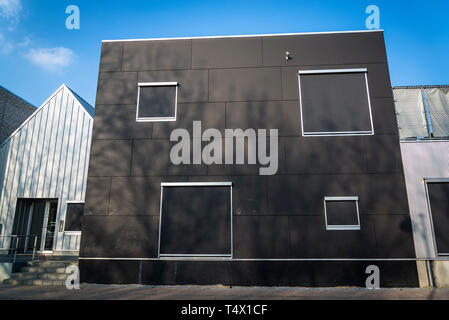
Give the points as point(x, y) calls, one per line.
point(438, 103)
point(411, 113)
point(247, 83)
point(46, 158)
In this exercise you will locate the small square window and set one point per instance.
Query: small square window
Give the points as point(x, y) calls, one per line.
point(342, 213)
point(335, 102)
point(157, 101)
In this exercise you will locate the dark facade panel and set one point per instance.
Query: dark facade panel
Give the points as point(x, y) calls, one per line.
point(439, 205)
point(249, 195)
point(97, 196)
point(156, 55)
point(117, 88)
point(324, 49)
point(397, 244)
point(111, 56)
point(310, 239)
point(394, 274)
point(110, 158)
point(137, 195)
point(109, 271)
point(384, 193)
point(252, 84)
point(220, 53)
point(318, 155)
point(246, 168)
point(119, 122)
point(282, 115)
point(211, 115)
point(145, 164)
point(261, 237)
point(384, 116)
point(193, 84)
point(120, 236)
point(383, 154)
point(304, 194)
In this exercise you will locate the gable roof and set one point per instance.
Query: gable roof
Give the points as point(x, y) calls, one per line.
point(85, 106)
point(13, 111)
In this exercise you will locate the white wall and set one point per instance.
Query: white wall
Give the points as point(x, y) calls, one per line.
point(423, 159)
point(47, 158)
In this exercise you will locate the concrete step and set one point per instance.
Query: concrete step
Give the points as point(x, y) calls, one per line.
point(29, 282)
point(56, 264)
point(43, 269)
point(38, 276)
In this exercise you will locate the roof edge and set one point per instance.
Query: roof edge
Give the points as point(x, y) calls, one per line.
point(6, 89)
point(244, 36)
point(61, 87)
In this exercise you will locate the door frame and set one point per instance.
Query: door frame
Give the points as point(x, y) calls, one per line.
point(429, 209)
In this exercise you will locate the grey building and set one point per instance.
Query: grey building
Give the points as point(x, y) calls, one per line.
point(336, 204)
point(43, 172)
point(423, 121)
point(13, 112)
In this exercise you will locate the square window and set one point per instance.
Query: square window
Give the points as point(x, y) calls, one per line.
point(196, 220)
point(335, 102)
point(342, 213)
point(157, 101)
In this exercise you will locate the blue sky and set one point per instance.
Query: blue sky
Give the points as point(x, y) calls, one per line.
point(38, 53)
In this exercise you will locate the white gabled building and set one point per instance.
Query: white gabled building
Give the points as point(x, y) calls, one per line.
point(43, 170)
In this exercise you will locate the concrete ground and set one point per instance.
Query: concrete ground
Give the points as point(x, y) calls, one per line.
point(128, 292)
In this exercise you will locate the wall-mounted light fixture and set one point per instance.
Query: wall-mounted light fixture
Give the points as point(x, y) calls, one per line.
point(288, 55)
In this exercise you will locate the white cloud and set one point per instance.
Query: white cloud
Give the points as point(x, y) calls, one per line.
point(7, 46)
point(10, 9)
point(51, 59)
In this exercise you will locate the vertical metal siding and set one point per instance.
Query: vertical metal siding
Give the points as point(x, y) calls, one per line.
point(47, 158)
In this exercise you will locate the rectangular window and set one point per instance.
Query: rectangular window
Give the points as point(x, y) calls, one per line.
point(196, 219)
point(438, 197)
point(342, 213)
point(157, 101)
point(335, 102)
point(73, 216)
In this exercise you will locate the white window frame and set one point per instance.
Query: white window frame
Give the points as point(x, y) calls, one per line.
point(195, 184)
point(336, 133)
point(156, 84)
point(342, 227)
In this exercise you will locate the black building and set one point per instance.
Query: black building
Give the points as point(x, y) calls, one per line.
point(336, 204)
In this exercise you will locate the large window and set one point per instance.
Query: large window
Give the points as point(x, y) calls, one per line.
point(157, 101)
point(196, 219)
point(342, 213)
point(438, 197)
point(335, 102)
